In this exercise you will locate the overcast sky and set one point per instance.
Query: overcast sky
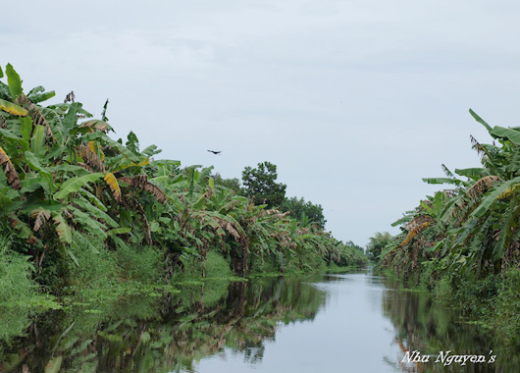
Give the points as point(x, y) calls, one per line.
point(354, 101)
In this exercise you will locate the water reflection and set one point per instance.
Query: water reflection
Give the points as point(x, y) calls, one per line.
point(434, 334)
point(355, 322)
point(143, 334)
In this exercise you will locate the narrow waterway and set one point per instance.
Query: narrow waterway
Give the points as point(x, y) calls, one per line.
point(367, 325)
point(355, 322)
point(349, 333)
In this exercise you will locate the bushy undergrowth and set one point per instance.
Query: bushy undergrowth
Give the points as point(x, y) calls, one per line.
point(507, 303)
point(14, 321)
point(472, 296)
point(217, 267)
point(95, 269)
point(104, 276)
point(16, 272)
point(144, 264)
point(273, 264)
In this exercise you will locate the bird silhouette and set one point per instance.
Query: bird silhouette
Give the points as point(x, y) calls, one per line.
point(215, 152)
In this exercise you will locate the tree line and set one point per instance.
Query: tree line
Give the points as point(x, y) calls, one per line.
point(67, 187)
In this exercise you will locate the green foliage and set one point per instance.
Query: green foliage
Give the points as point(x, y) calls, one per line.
point(99, 267)
point(231, 184)
point(376, 245)
point(261, 184)
point(143, 264)
point(14, 321)
point(65, 181)
point(305, 212)
point(465, 242)
point(507, 307)
point(14, 81)
point(16, 284)
point(217, 266)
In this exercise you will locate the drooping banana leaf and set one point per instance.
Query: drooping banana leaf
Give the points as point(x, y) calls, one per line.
point(508, 133)
point(63, 229)
point(492, 196)
point(480, 120)
point(75, 184)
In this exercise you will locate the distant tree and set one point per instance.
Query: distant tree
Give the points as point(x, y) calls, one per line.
point(304, 211)
point(233, 184)
point(261, 184)
point(377, 244)
point(353, 245)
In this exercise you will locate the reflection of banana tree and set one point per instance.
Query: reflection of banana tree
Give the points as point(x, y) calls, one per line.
point(166, 335)
point(423, 325)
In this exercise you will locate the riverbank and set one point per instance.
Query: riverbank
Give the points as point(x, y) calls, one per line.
point(81, 212)
point(463, 243)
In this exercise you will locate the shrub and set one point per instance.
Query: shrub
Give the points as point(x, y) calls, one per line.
point(16, 282)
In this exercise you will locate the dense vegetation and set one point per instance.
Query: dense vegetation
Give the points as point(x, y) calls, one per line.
point(77, 207)
point(464, 242)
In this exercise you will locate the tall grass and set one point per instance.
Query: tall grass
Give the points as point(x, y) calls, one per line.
point(97, 268)
point(16, 284)
point(105, 275)
point(143, 264)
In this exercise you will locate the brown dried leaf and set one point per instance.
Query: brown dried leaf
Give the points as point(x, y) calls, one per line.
point(91, 158)
point(97, 124)
point(416, 226)
point(35, 114)
point(41, 216)
point(156, 191)
point(481, 186)
point(86, 167)
point(229, 227)
point(479, 148)
point(70, 97)
point(141, 181)
point(147, 233)
point(417, 221)
point(12, 175)
point(3, 121)
point(414, 232)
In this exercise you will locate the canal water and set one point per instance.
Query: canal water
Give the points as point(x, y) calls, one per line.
point(355, 322)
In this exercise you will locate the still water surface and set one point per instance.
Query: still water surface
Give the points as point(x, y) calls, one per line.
point(337, 323)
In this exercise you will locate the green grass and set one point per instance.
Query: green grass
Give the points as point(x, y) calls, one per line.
point(16, 284)
point(142, 264)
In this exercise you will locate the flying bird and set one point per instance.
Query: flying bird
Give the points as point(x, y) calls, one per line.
point(214, 152)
